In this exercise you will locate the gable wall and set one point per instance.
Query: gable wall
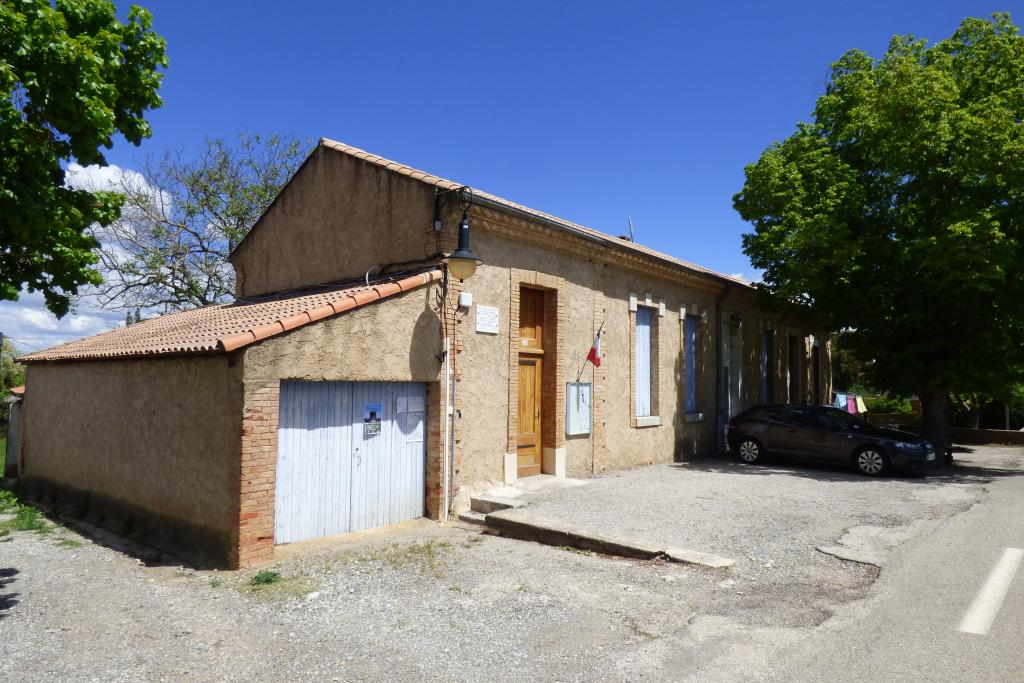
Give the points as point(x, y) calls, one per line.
point(338, 217)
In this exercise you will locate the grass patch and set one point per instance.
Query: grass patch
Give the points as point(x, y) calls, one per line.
point(264, 578)
point(216, 583)
point(30, 519)
point(69, 543)
point(271, 586)
point(8, 501)
point(26, 517)
point(428, 557)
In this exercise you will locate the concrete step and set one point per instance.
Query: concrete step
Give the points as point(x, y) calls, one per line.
point(524, 525)
point(487, 504)
point(473, 517)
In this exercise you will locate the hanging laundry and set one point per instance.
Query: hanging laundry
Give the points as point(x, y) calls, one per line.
point(861, 408)
point(851, 405)
point(840, 401)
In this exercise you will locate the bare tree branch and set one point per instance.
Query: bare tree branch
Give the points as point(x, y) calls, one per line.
point(181, 218)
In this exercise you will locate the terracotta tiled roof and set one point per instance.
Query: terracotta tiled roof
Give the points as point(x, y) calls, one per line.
point(226, 327)
point(437, 181)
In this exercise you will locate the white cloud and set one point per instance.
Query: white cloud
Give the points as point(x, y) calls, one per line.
point(86, 323)
point(27, 321)
point(31, 327)
point(113, 177)
point(98, 177)
point(37, 320)
point(741, 277)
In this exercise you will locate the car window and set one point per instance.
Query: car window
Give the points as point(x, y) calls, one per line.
point(769, 413)
point(842, 418)
point(805, 417)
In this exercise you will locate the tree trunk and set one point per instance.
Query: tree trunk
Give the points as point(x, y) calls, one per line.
point(973, 418)
point(935, 403)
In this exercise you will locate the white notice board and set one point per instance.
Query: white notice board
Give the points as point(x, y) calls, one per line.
point(487, 319)
point(577, 408)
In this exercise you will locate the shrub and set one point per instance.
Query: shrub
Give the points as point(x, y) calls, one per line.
point(26, 517)
point(264, 578)
point(888, 404)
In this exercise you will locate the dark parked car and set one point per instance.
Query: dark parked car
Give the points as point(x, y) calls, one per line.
point(825, 434)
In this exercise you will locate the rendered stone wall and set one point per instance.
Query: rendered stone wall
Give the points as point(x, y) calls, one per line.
point(147, 448)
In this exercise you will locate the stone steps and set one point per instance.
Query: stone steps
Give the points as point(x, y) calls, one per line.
point(473, 517)
point(486, 504)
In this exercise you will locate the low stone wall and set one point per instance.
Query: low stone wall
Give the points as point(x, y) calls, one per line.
point(890, 420)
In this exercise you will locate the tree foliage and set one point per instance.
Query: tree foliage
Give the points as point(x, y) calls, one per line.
point(897, 212)
point(12, 375)
point(848, 371)
point(73, 77)
point(183, 215)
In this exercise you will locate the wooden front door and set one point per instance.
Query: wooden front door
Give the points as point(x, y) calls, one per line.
point(531, 364)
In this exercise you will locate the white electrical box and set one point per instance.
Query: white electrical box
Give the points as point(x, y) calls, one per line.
point(578, 400)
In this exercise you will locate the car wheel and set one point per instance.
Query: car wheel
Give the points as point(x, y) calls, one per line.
point(749, 450)
point(871, 461)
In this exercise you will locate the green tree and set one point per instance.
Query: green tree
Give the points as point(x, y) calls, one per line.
point(11, 375)
point(73, 77)
point(847, 370)
point(183, 216)
point(897, 213)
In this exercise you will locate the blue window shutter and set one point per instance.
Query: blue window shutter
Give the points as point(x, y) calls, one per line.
point(690, 362)
point(643, 362)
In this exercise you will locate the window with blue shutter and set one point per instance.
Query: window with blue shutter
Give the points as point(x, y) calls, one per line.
point(643, 361)
point(690, 362)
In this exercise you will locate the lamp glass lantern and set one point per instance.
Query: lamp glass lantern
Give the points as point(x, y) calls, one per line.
point(462, 262)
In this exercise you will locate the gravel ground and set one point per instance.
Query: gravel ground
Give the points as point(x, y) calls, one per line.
point(771, 519)
point(425, 601)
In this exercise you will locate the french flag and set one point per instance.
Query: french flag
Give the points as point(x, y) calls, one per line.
point(595, 351)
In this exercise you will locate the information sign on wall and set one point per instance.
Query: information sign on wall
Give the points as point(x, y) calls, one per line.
point(487, 319)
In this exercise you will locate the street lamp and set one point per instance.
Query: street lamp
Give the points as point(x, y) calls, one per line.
point(462, 262)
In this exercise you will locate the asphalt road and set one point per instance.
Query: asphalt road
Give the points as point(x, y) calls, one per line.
point(910, 629)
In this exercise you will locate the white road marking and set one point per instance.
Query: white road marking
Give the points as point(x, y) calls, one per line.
point(986, 604)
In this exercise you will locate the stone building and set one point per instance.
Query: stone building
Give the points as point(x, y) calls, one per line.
point(354, 383)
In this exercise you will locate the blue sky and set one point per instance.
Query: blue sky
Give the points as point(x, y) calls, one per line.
point(590, 111)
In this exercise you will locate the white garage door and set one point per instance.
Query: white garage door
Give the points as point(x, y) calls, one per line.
point(350, 456)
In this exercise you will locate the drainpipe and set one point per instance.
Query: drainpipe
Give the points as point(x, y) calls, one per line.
point(446, 434)
point(719, 422)
point(450, 501)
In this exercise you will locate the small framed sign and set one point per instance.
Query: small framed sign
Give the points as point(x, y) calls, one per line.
point(371, 419)
point(487, 319)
